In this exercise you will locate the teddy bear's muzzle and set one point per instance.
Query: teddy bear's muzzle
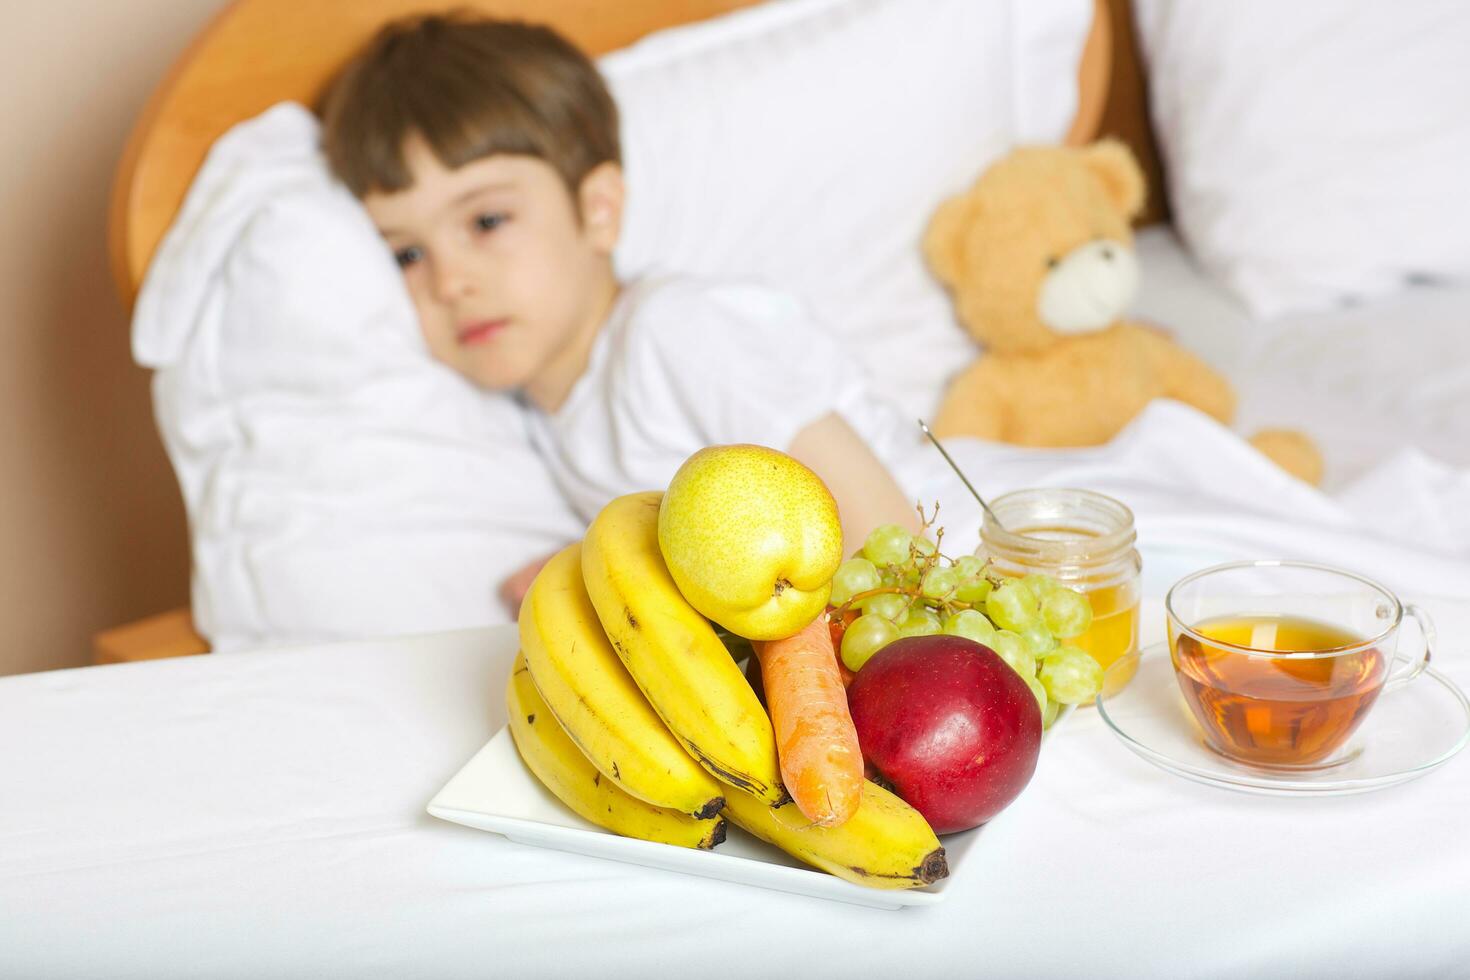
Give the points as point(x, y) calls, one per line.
point(1089, 287)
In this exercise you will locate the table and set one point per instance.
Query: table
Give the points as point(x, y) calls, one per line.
point(262, 815)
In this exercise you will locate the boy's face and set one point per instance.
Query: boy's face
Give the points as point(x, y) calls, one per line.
point(510, 282)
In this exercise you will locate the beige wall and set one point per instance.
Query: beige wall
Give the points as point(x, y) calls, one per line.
point(91, 526)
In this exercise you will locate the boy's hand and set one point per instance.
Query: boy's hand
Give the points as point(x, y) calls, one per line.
point(867, 494)
point(513, 590)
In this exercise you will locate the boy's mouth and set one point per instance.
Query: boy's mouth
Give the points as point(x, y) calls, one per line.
point(470, 334)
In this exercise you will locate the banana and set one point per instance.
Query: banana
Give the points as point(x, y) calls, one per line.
point(886, 844)
point(555, 760)
point(590, 693)
point(673, 652)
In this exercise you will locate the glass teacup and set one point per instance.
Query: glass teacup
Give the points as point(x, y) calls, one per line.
point(1280, 661)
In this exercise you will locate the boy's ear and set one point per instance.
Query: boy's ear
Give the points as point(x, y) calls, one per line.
point(600, 199)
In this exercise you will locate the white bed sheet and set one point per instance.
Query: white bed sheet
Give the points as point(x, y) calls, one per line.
point(1368, 382)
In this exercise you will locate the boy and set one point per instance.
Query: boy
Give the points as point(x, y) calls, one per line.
point(487, 154)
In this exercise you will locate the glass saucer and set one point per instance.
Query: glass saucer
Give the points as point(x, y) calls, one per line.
point(1409, 732)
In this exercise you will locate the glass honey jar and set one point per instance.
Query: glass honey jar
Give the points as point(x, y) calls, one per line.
point(1085, 541)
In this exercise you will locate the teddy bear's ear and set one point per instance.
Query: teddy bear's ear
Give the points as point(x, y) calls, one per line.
point(1113, 164)
point(944, 240)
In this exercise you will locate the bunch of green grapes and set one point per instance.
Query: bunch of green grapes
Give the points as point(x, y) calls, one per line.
point(901, 585)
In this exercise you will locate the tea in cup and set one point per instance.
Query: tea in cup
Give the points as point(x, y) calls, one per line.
point(1281, 661)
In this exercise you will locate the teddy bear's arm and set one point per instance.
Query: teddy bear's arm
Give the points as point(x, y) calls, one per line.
point(1189, 379)
point(974, 403)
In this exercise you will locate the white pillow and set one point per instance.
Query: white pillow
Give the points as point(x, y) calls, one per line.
point(338, 481)
point(1316, 150)
point(805, 145)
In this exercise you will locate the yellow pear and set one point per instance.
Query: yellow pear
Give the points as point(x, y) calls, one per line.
point(752, 539)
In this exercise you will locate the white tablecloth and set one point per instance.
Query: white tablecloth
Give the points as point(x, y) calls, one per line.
point(262, 815)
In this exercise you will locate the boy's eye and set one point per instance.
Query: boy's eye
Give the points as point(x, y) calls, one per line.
point(489, 222)
point(406, 257)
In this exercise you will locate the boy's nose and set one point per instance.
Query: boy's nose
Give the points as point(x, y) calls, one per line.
point(451, 280)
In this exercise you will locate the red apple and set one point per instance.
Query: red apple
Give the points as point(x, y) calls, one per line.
point(949, 725)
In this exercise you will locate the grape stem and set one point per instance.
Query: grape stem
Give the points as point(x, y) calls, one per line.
point(912, 594)
point(860, 596)
point(923, 564)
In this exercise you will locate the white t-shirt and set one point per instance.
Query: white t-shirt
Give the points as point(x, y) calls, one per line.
point(684, 363)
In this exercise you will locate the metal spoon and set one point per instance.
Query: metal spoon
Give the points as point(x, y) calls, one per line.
point(955, 466)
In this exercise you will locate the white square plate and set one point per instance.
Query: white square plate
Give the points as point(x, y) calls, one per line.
point(496, 792)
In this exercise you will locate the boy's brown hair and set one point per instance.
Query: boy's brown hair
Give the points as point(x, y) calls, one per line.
point(471, 87)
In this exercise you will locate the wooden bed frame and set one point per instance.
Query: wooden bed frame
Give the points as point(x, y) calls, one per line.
point(256, 53)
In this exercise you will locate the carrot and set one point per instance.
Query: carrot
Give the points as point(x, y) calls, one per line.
point(821, 763)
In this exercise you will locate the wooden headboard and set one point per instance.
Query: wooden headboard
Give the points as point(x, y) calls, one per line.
point(256, 53)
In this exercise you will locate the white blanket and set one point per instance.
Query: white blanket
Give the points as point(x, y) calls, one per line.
point(1197, 489)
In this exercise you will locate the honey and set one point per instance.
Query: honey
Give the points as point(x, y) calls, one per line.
point(1113, 634)
point(1085, 541)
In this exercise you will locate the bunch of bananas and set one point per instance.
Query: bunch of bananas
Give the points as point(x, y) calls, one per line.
point(629, 708)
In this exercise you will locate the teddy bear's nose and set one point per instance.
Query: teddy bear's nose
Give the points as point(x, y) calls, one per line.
point(1107, 254)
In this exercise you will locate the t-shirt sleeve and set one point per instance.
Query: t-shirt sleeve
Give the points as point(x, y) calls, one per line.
point(736, 363)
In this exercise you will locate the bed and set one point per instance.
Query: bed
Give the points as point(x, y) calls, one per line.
point(1366, 394)
point(257, 53)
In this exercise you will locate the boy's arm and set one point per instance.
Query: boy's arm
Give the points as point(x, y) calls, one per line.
point(513, 590)
point(867, 495)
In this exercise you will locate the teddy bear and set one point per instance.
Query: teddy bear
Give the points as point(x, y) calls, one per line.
point(1038, 257)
